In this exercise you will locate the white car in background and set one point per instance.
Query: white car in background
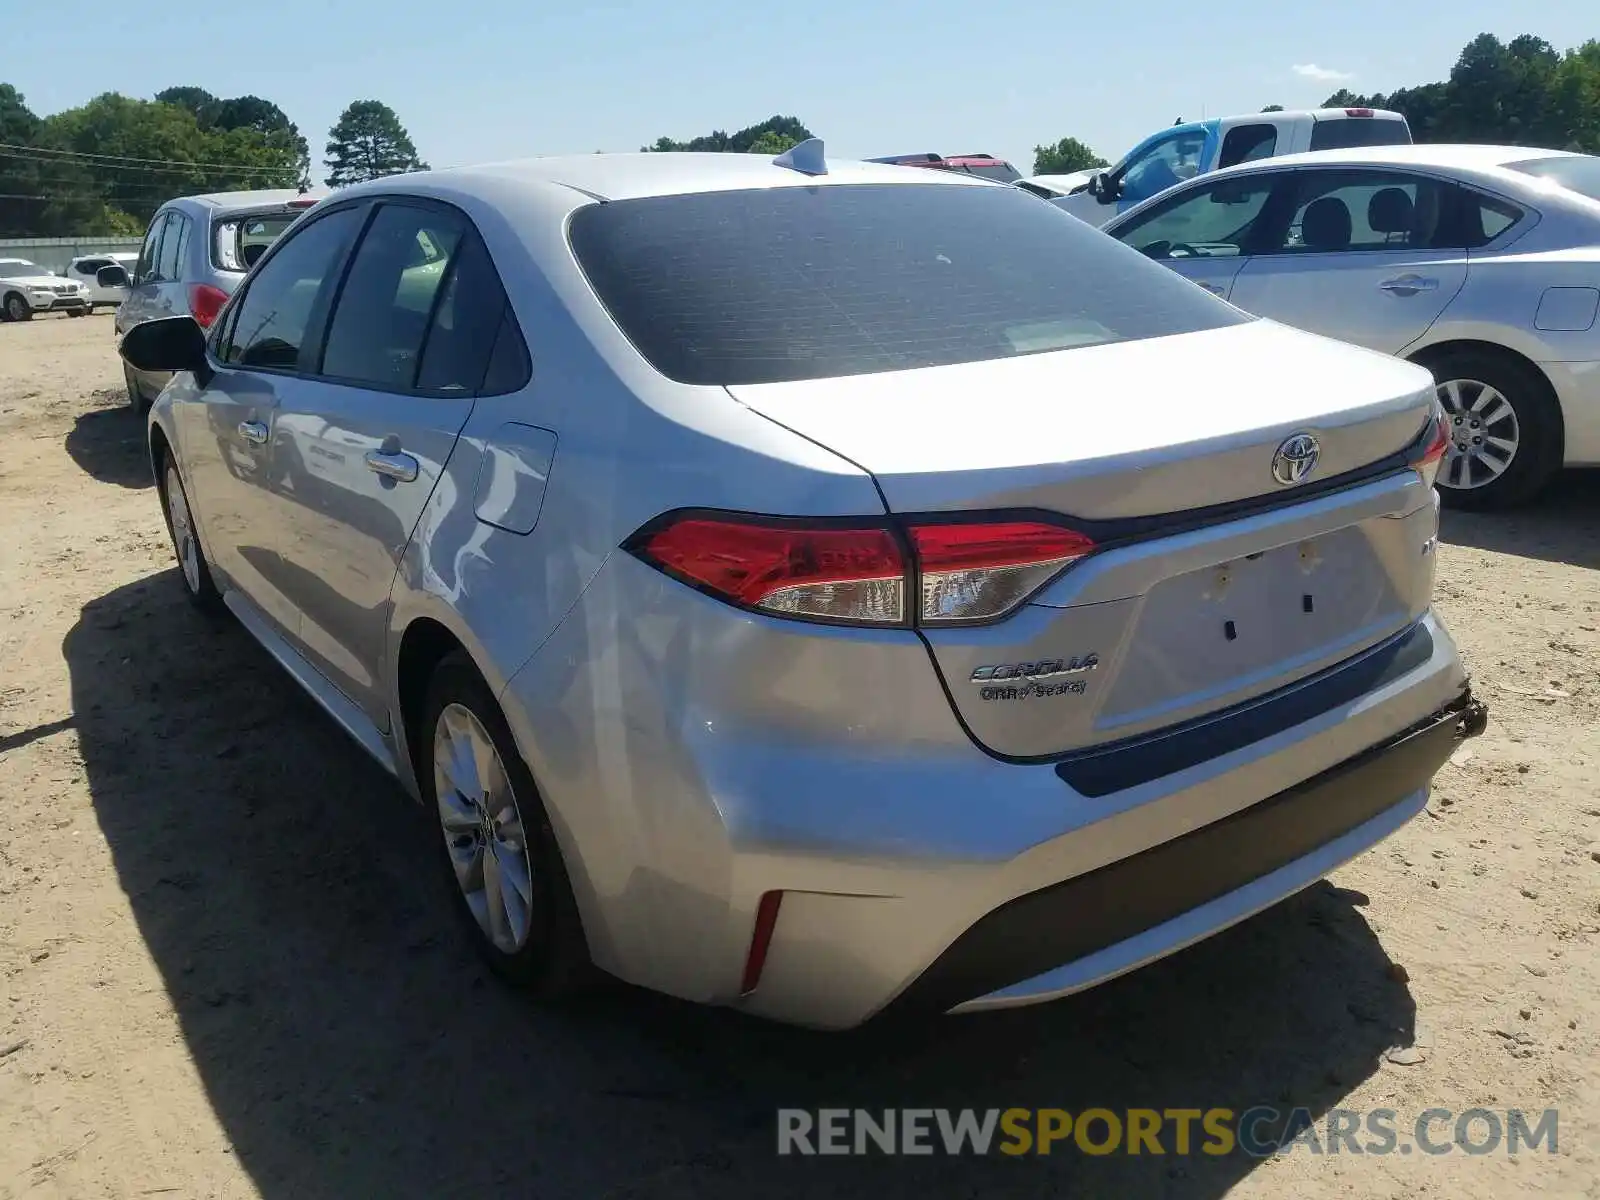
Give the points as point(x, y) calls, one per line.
point(1049, 187)
point(27, 288)
point(86, 267)
point(1481, 263)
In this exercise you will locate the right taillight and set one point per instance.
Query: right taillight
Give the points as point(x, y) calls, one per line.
point(1431, 445)
point(205, 302)
point(959, 572)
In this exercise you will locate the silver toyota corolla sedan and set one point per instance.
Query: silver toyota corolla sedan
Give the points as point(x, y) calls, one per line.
point(1481, 263)
point(817, 588)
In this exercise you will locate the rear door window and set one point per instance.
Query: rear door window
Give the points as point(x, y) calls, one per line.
point(169, 265)
point(1357, 209)
point(466, 322)
point(788, 283)
point(382, 314)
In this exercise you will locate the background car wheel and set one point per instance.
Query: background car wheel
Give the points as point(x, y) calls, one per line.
point(503, 863)
point(15, 307)
point(136, 398)
point(1505, 430)
point(77, 312)
point(197, 581)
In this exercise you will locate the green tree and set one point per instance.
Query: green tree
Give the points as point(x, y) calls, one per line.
point(1065, 157)
point(368, 142)
point(1524, 93)
point(787, 129)
point(772, 144)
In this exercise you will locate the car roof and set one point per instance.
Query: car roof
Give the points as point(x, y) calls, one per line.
point(633, 176)
point(224, 202)
point(1424, 154)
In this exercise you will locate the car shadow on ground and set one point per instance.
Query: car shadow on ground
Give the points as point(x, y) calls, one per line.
point(1561, 526)
point(109, 444)
point(351, 1046)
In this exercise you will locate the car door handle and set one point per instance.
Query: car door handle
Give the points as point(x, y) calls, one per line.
point(253, 432)
point(1408, 285)
point(392, 464)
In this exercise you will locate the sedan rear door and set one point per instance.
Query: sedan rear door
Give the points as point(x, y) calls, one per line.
point(1362, 255)
point(362, 439)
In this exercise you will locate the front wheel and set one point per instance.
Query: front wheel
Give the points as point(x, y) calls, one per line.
point(78, 312)
point(1505, 431)
point(197, 581)
point(504, 865)
point(16, 308)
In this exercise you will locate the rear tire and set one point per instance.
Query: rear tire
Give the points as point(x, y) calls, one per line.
point(1505, 426)
point(15, 307)
point(78, 312)
point(499, 853)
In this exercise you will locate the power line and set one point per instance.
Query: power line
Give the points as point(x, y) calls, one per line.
point(97, 167)
point(71, 155)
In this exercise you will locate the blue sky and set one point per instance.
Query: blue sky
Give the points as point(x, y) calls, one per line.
point(479, 80)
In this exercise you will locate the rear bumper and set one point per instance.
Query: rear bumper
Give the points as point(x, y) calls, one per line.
point(1110, 920)
point(686, 779)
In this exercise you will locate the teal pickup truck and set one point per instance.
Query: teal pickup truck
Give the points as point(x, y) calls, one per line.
point(1192, 148)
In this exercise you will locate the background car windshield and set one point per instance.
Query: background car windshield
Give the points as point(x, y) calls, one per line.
point(809, 282)
point(18, 267)
point(1359, 131)
point(1577, 172)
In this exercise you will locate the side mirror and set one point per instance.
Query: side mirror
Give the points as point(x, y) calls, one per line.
point(111, 277)
point(1101, 187)
point(167, 345)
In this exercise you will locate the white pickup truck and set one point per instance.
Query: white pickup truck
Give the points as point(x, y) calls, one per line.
point(1192, 148)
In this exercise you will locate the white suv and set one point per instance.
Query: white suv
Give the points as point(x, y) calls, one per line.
point(85, 270)
point(27, 288)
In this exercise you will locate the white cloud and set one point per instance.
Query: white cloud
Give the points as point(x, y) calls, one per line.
point(1321, 74)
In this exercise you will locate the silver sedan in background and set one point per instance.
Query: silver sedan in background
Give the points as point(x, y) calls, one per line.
point(1481, 263)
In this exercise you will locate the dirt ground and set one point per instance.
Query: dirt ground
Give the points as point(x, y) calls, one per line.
point(228, 973)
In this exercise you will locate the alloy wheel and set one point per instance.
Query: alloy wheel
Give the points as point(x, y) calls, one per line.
point(1484, 434)
point(483, 829)
point(184, 541)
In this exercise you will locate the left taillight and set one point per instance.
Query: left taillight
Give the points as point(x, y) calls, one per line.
point(966, 572)
point(205, 302)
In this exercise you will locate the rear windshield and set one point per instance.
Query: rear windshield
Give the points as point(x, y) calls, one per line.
point(1339, 133)
point(239, 241)
point(1577, 172)
point(794, 283)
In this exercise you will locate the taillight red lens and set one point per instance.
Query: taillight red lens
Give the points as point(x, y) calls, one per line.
point(968, 571)
point(979, 572)
point(1434, 447)
point(205, 302)
point(785, 568)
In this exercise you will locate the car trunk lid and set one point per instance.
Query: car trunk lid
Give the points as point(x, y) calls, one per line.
point(1214, 581)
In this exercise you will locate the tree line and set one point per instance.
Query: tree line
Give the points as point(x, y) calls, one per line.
point(106, 166)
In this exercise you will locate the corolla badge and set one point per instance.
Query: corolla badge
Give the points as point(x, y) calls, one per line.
point(1296, 458)
point(1029, 680)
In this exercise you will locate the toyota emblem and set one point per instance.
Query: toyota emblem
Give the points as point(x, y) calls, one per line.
point(1296, 458)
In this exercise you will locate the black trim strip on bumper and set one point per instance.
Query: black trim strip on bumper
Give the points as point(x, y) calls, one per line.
point(1132, 761)
point(1068, 921)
